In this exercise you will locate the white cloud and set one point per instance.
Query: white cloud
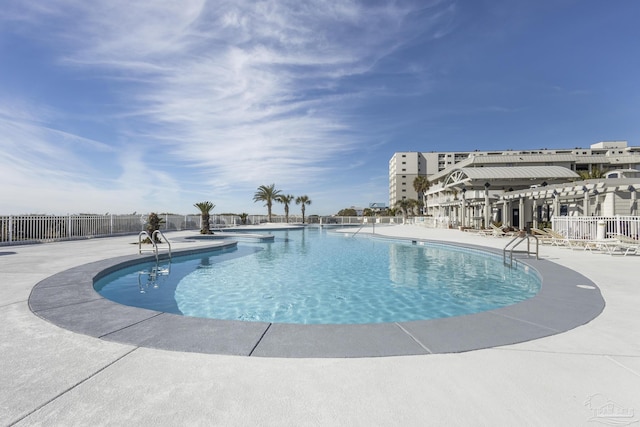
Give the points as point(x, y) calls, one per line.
point(245, 91)
point(29, 145)
point(50, 171)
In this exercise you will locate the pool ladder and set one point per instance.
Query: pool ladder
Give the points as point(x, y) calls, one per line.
point(362, 226)
point(152, 238)
point(513, 244)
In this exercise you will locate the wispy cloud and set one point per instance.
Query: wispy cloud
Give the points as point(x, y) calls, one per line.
point(29, 144)
point(247, 92)
point(51, 171)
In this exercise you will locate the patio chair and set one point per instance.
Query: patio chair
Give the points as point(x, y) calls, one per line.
point(542, 235)
point(485, 232)
point(499, 232)
point(557, 239)
point(627, 244)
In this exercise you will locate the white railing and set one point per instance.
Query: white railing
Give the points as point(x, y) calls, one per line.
point(356, 220)
point(20, 229)
point(222, 221)
point(597, 227)
point(432, 222)
point(24, 229)
point(442, 199)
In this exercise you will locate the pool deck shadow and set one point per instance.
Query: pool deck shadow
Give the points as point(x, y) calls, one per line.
point(566, 300)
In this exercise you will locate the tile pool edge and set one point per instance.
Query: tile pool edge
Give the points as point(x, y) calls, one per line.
point(67, 299)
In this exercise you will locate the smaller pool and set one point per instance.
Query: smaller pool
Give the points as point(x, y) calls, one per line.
point(314, 277)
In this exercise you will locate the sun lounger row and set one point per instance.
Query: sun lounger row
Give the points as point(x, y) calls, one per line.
point(495, 231)
point(616, 245)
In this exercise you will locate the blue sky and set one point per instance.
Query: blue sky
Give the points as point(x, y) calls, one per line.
point(120, 106)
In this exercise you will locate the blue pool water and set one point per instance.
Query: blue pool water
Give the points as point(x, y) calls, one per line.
point(314, 277)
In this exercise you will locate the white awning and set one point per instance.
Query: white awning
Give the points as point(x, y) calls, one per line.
point(516, 176)
point(519, 172)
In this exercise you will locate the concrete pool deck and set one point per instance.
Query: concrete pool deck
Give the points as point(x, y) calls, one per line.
point(50, 375)
point(566, 299)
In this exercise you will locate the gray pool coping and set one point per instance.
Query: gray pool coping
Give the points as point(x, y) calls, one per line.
point(566, 300)
point(231, 235)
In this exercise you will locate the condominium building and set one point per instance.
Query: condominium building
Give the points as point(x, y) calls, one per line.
point(405, 166)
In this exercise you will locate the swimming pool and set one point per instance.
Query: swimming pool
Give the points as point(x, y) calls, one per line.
point(313, 277)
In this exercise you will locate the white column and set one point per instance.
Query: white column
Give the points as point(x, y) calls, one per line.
point(634, 210)
point(463, 212)
point(597, 206)
point(487, 209)
point(585, 204)
point(521, 213)
point(506, 220)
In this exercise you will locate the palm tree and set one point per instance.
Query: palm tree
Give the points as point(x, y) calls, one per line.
point(303, 200)
point(153, 223)
point(405, 205)
point(205, 209)
point(368, 212)
point(267, 194)
point(596, 173)
point(421, 185)
point(347, 212)
point(417, 207)
point(285, 200)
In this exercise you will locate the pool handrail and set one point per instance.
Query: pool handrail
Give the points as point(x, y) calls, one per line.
point(153, 240)
point(147, 236)
point(522, 236)
point(155, 233)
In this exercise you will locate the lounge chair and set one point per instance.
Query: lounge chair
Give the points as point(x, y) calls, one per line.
point(627, 244)
point(610, 246)
point(542, 235)
point(478, 231)
point(499, 232)
point(557, 239)
point(538, 232)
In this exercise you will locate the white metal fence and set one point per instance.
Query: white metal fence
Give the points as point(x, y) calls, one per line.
point(231, 220)
point(20, 229)
point(597, 227)
point(24, 229)
point(432, 222)
point(234, 220)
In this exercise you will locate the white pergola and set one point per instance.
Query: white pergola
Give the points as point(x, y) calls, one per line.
point(586, 197)
point(480, 188)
